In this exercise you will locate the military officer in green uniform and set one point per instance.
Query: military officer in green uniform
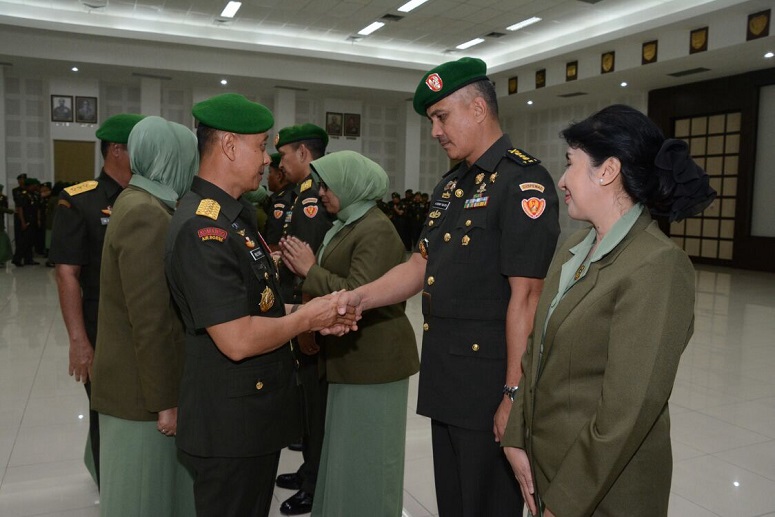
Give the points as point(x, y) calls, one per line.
point(480, 263)
point(77, 234)
point(239, 397)
point(298, 146)
point(280, 203)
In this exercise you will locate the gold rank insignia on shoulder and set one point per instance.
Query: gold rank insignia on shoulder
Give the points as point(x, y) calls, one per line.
point(305, 186)
point(209, 208)
point(80, 188)
point(521, 157)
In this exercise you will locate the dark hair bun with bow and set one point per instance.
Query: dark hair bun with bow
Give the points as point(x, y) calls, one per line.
point(657, 172)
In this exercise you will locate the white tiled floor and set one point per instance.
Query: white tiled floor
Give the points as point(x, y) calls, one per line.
point(723, 407)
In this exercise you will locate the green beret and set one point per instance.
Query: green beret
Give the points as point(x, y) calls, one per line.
point(298, 133)
point(275, 160)
point(234, 113)
point(446, 79)
point(116, 129)
point(32, 181)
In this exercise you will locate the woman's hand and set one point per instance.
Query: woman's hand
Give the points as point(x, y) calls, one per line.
point(520, 464)
point(297, 255)
point(167, 421)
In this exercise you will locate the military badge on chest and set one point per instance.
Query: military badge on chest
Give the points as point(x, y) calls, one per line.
point(479, 199)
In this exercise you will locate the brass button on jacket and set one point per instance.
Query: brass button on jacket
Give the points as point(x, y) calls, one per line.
point(425, 327)
point(259, 385)
point(475, 347)
point(431, 280)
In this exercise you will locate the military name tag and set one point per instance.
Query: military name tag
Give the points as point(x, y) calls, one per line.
point(257, 254)
point(441, 205)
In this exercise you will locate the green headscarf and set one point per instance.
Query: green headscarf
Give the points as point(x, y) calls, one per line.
point(358, 183)
point(163, 157)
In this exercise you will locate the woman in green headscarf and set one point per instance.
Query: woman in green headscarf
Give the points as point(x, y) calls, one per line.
point(362, 465)
point(139, 354)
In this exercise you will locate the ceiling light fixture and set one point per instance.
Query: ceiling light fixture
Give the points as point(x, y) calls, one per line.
point(412, 4)
point(231, 9)
point(224, 82)
point(371, 28)
point(74, 69)
point(469, 44)
point(523, 24)
point(768, 55)
point(529, 103)
point(623, 84)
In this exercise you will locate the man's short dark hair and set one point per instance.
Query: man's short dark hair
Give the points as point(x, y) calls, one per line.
point(316, 147)
point(486, 89)
point(205, 136)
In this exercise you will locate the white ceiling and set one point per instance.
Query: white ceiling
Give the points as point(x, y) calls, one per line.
point(297, 31)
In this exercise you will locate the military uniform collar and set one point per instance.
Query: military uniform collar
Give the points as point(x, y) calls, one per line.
point(491, 157)
point(111, 186)
point(230, 207)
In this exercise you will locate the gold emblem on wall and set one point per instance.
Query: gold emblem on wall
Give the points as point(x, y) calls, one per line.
point(698, 40)
point(572, 71)
point(513, 83)
point(649, 54)
point(758, 25)
point(607, 62)
point(541, 78)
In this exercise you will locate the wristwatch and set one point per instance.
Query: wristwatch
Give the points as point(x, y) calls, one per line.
point(510, 391)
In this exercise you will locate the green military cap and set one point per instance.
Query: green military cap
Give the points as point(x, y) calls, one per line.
point(234, 113)
point(298, 133)
point(446, 79)
point(32, 181)
point(275, 160)
point(116, 129)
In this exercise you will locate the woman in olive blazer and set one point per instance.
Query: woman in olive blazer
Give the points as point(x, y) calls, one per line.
point(362, 465)
point(589, 433)
point(139, 355)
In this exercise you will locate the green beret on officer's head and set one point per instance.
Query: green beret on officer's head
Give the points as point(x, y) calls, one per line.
point(116, 129)
point(275, 160)
point(298, 133)
point(446, 79)
point(234, 113)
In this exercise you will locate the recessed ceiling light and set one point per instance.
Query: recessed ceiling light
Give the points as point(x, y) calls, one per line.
point(224, 82)
point(523, 24)
point(768, 55)
point(74, 69)
point(469, 44)
point(529, 103)
point(412, 4)
point(623, 84)
point(231, 9)
point(371, 28)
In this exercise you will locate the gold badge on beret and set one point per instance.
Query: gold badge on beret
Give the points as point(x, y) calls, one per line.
point(276, 139)
point(267, 299)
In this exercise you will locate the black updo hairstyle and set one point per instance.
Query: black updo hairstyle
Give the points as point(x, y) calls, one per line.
point(657, 172)
point(625, 133)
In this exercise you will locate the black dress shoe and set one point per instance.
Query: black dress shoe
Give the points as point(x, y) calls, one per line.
point(296, 447)
point(290, 481)
point(297, 504)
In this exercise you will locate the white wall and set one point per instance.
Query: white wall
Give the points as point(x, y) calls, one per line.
point(763, 216)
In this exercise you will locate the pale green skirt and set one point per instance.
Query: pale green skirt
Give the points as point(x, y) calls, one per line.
point(362, 464)
point(140, 475)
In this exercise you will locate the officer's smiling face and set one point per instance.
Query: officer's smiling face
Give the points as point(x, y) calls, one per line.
point(453, 124)
point(253, 159)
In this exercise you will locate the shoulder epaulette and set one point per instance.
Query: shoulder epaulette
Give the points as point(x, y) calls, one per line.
point(305, 186)
point(209, 208)
point(521, 157)
point(80, 188)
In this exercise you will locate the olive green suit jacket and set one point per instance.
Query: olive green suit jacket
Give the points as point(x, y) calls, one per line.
point(384, 348)
point(592, 408)
point(139, 355)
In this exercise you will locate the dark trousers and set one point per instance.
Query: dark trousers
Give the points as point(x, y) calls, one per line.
point(24, 241)
point(315, 394)
point(233, 487)
point(473, 477)
point(94, 434)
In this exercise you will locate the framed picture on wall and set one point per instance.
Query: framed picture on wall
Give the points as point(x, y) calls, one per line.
point(352, 124)
point(86, 110)
point(61, 108)
point(334, 124)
